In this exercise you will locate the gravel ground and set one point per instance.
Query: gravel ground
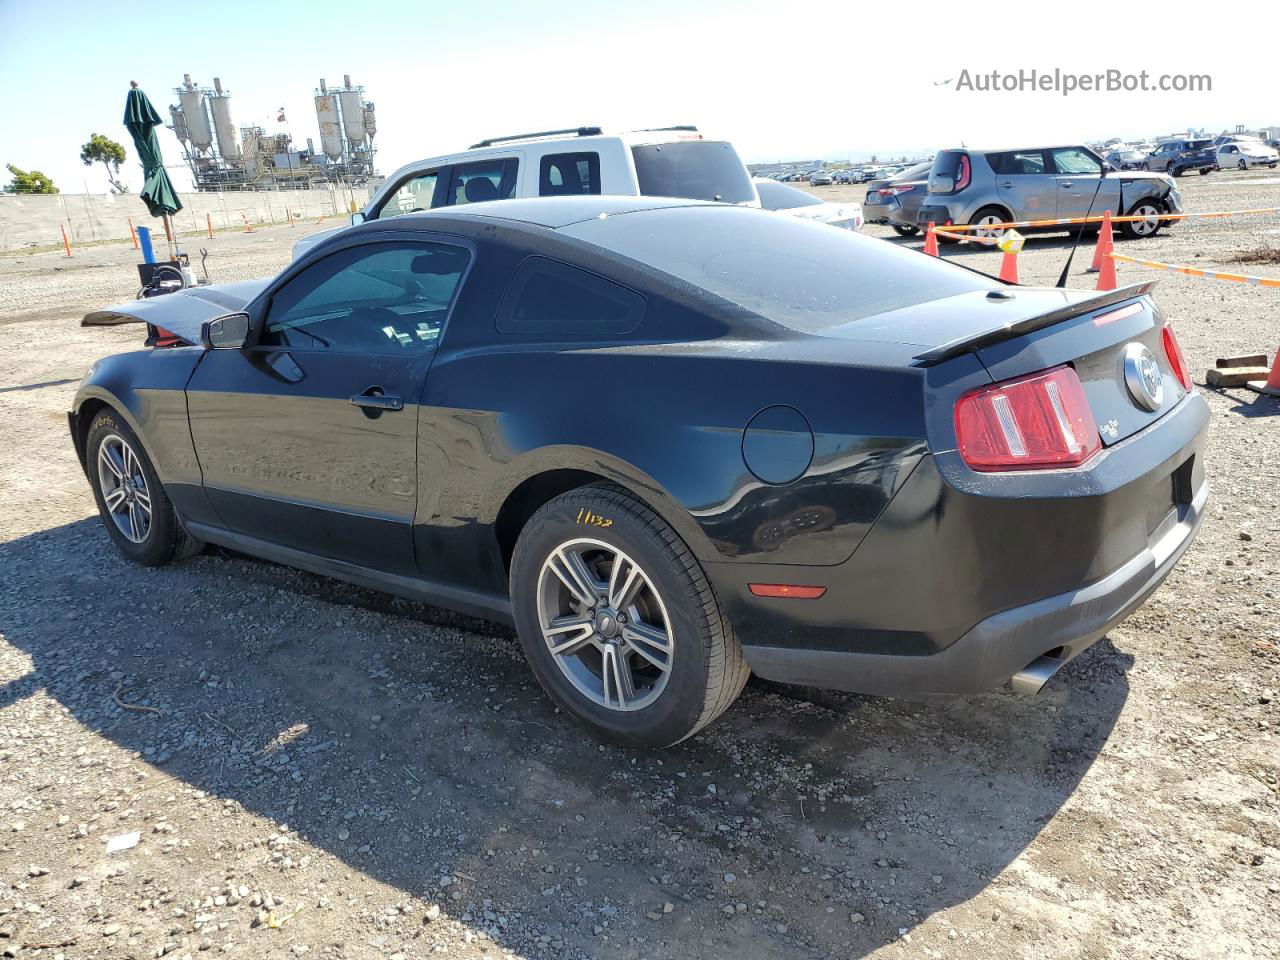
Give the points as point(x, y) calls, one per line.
point(306, 768)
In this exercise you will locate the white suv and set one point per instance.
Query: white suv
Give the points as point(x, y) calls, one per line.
point(660, 162)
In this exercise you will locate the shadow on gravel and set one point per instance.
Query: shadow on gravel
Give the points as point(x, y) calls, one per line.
point(414, 746)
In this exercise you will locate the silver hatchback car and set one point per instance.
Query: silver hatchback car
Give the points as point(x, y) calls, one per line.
point(984, 187)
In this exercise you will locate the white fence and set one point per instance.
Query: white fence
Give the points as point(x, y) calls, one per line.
point(38, 220)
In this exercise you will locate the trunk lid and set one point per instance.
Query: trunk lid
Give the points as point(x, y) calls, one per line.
point(183, 312)
point(1035, 329)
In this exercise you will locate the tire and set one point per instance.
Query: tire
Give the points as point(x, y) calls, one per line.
point(150, 537)
point(1146, 166)
point(1244, 165)
point(904, 230)
point(986, 213)
point(1205, 171)
point(1140, 230)
point(603, 529)
point(1175, 171)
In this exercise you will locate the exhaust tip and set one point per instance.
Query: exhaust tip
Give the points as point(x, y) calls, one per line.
point(1032, 678)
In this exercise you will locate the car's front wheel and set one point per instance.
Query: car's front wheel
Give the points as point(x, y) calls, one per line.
point(139, 518)
point(619, 622)
point(1149, 225)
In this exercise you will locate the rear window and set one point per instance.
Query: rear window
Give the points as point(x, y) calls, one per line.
point(778, 196)
point(954, 164)
point(693, 169)
point(553, 298)
point(1199, 144)
point(806, 276)
point(561, 174)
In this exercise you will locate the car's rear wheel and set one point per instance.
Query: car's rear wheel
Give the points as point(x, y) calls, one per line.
point(1149, 226)
point(1243, 165)
point(1145, 165)
point(619, 622)
point(904, 230)
point(983, 220)
point(139, 518)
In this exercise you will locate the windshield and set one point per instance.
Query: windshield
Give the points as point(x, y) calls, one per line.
point(803, 275)
point(778, 196)
point(693, 169)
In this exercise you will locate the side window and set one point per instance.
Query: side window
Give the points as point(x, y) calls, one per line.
point(550, 297)
point(376, 298)
point(1076, 161)
point(483, 180)
point(568, 173)
point(1017, 162)
point(413, 196)
point(1230, 149)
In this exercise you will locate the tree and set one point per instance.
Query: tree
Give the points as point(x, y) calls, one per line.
point(110, 154)
point(29, 182)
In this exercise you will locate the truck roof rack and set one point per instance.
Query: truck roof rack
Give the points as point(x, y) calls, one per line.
point(680, 126)
point(577, 131)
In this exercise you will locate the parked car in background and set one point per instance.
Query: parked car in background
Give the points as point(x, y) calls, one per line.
point(1245, 154)
point(1181, 156)
point(668, 161)
point(985, 187)
point(783, 198)
point(896, 200)
point(812, 455)
point(1126, 158)
point(820, 178)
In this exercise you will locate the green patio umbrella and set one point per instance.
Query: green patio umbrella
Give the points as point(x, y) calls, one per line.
point(141, 119)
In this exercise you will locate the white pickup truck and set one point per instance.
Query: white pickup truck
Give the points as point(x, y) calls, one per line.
point(662, 162)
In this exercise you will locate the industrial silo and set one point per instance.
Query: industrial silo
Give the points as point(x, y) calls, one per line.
point(223, 128)
point(352, 101)
point(330, 126)
point(370, 121)
point(196, 115)
point(179, 120)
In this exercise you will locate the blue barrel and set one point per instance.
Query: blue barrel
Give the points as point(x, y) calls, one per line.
point(144, 238)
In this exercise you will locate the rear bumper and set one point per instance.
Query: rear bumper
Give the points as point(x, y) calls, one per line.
point(966, 579)
point(1001, 645)
point(934, 213)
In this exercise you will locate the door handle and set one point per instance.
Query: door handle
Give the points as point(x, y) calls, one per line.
point(375, 399)
point(1064, 184)
point(1006, 184)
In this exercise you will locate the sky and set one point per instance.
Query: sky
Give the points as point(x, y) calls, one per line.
point(781, 81)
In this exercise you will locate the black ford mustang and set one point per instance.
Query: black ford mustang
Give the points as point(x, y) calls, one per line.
point(671, 443)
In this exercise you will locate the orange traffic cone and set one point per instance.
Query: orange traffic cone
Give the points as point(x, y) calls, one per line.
point(1009, 268)
point(1105, 244)
point(931, 240)
point(1272, 385)
point(1107, 275)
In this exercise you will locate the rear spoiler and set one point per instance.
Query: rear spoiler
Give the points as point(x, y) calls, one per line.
point(955, 348)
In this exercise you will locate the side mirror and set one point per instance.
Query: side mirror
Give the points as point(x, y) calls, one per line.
point(941, 183)
point(225, 333)
point(1107, 168)
point(357, 218)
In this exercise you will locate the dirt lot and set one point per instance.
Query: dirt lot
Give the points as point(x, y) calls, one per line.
point(324, 771)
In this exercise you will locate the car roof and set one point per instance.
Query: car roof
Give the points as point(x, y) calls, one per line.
point(550, 212)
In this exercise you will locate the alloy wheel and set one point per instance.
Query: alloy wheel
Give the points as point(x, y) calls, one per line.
point(984, 230)
point(1150, 222)
point(605, 624)
point(124, 488)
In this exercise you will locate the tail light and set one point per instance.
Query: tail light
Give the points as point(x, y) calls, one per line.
point(1176, 360)
point(962, 180)
point(894, 191)
point(1040, 421)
